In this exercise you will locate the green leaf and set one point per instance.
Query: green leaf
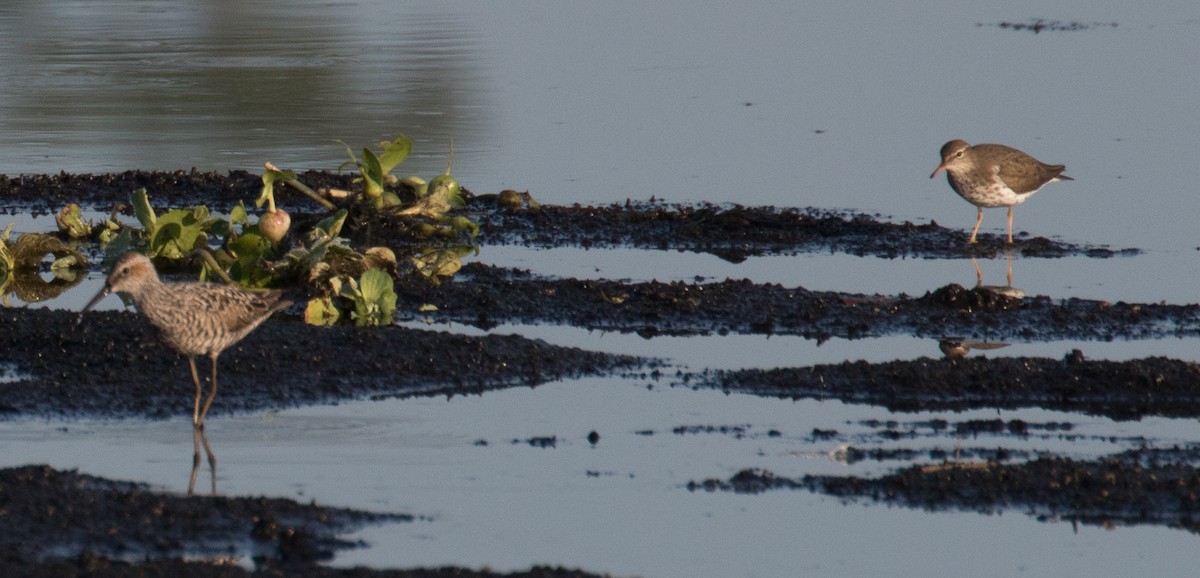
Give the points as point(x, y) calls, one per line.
point(417, 184)
point(461, 223)
point(375, 284)
point(269, 179)
point(372, 172)
point(247, 270)
point(332, 225)
point(219, 228)
point(70, 221)
point(143, 210)
point(445, 189)
point(435, 263)
point(178, 231)
point(394, 153)
point(375, 303)
point(321, 311)
point(238, 215)
point(349, 152)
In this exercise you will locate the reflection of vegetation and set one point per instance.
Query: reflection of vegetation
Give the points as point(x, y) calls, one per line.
point(20, 264)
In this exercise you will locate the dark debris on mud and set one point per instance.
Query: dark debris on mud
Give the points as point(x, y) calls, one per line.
point(1123, 390)
point(1137, 487)
point(111, 364)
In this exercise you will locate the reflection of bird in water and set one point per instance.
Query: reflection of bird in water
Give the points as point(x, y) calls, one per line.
point(954, 348)
point(1006, 290)
point(991, 175)
point(198, 439)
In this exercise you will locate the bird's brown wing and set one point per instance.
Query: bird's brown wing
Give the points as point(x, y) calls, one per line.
point(243, 310)
point(1023, 173)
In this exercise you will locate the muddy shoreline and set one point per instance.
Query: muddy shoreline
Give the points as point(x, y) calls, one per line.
point(1133, 488)
point(89, 357)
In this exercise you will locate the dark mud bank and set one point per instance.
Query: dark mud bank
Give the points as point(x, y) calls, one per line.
point(486, 296)
point(111, 364)
point(731, 232)
point(62, 524)
point(1136, 487)
point(1126, 390)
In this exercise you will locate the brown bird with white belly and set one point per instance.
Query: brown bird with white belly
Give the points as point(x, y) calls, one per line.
point(992, 175)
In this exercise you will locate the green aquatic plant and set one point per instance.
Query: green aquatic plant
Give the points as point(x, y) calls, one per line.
point(374, 298)
point(172, 235)
point(371, 300)
point(70, 222)
point(322, 311)
point(438, 263)
point(375, 169)
point(347, 283)
point(439, 196)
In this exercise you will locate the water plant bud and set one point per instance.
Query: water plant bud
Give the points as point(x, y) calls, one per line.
point(509, 199)
point(274, 225)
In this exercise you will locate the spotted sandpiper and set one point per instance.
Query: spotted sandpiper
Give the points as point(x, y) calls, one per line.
point(992, 175)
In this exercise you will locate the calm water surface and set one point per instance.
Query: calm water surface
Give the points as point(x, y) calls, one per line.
point(825, 105)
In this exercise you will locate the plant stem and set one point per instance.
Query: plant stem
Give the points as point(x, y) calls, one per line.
point(302, 188)
point(212, 265)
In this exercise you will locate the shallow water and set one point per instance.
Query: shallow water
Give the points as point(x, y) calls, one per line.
point(754, 103)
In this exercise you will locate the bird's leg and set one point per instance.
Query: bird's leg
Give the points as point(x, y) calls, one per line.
point(978, 272)
point(977, 222)
point(212, 393)
point(196, 408)
point(1010, 225)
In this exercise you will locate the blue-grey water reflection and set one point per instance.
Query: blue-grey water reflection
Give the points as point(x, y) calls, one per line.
point(231, 84)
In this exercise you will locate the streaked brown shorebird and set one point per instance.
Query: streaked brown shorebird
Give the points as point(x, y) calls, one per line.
point(193, 318)
point(992, 175)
